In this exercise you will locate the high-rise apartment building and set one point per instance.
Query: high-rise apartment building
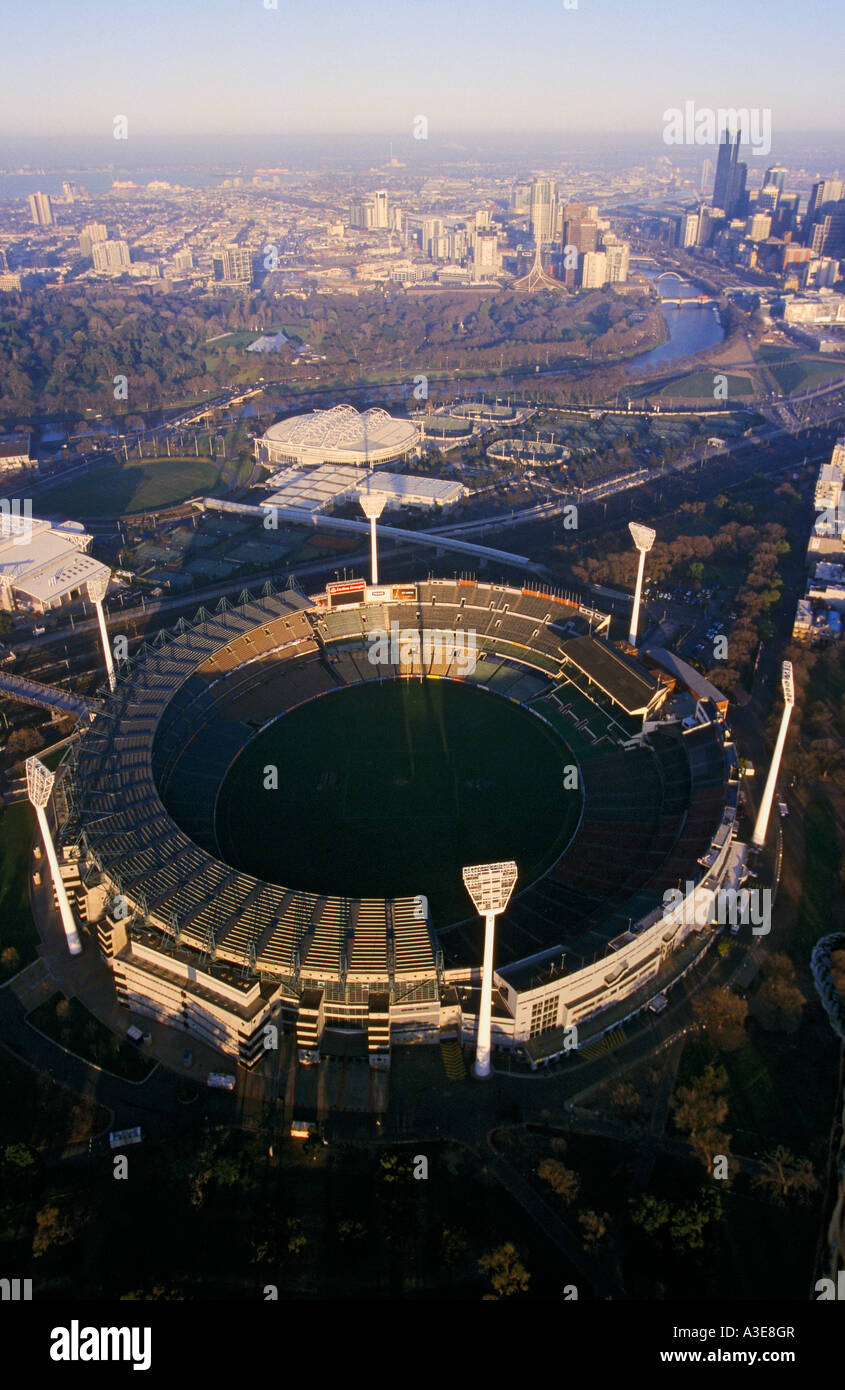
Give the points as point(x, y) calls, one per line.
point(380, 210)
point(92, 232)
point(485, 257)
point(593, 270)
point(41, 209)
point(110, 257)
point(232, 265)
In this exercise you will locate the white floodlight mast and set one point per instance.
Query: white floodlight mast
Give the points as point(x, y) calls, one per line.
point(490, 887)
point(372, 505)
point(39, 785)
point(643, 538)
point(761, 825)
point(97, 589)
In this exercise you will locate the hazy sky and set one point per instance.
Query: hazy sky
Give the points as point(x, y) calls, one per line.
point(191, 66)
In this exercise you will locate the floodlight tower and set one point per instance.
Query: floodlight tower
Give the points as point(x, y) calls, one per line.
point(643, 538)
point(761, 825)
point(372, 505)
point(97, 588)
point(39, 785)
point(490, 887)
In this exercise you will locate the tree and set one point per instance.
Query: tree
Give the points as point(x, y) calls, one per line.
point(18, 1156)
point(52, 1227)
point(779, 1002)
point(562, 1180)
point(783, 1174)
point(722, 1013)
point(505, 1270)
point(701, 1109)
point(593, 1228)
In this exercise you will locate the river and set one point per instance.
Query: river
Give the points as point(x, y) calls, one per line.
point(690, 330)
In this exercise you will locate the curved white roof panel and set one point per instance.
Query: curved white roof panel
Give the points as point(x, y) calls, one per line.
point(342, 432)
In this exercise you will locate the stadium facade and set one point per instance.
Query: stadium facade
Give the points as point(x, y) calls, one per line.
point(340, 435)
point(212, 950)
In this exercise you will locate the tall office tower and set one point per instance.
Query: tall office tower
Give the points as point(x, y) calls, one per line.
point(689, 229)
point(41, 209)
point(776, 175)
point(92, 232)
point(767, 198)
point(785, 219)
point(380, 210)
point(706, 175)
point(543, 211)
point(825, 193)
point(708, 218)
point(110, 256)
point(69, 192)
point(485, 258)
point(183, 260)
point(729, 184)
point(482, 219)
point(521, 198)
point(593, 270)
point(233, 265)
point(829, 233)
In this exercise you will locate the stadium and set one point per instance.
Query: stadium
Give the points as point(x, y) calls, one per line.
point(403, 729)
point(339, 435)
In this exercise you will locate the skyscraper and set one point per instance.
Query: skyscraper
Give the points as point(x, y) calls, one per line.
point(729, 185)
point(41, 209)
point(380, 211)
point(543, 211)
point(777, 175)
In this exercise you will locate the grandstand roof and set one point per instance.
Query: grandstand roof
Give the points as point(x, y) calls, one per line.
point(699, 685)
point(619, 676)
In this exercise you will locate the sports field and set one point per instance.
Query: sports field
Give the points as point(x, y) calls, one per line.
point(388, 789)
point(120, 489)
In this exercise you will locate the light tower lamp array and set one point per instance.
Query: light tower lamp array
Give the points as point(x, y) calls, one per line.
point(761, 825)
point(490, 887)
point(372, 505)
point(97, 589)
point(643, 538)
point(39, 785)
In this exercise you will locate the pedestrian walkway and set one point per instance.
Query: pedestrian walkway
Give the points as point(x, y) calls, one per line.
point(607, 1043)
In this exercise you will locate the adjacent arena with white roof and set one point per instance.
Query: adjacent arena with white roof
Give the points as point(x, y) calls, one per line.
point(340, 435)
point(44, 564)
point(315, 489)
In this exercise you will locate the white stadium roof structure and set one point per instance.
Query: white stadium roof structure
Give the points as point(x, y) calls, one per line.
point(339, 435)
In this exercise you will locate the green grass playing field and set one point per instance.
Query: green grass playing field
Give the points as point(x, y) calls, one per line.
point(120, 489)
point(387, 790)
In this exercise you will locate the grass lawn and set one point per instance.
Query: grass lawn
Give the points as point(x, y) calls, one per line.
point(796, 371)
point(68, 1022)
point(119, 489)
point(17, 929)
point(699, 386)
